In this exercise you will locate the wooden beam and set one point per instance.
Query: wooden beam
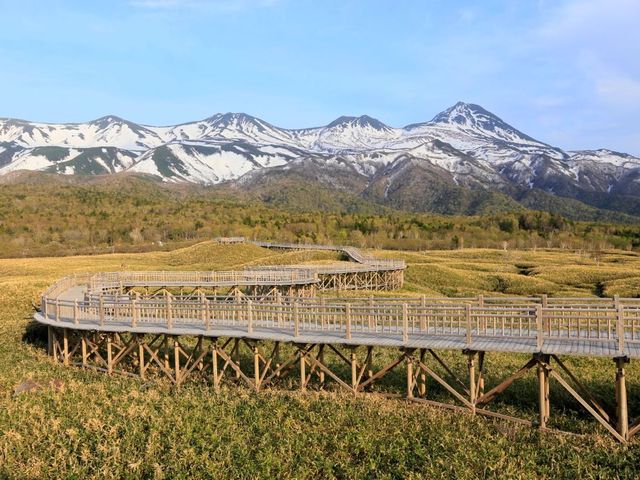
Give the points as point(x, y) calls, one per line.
point(487, 397)
point(588, 407)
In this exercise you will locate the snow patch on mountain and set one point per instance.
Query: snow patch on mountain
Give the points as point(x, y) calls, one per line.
point(472, 144)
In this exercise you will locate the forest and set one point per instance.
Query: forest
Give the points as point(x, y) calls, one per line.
point(45, 220)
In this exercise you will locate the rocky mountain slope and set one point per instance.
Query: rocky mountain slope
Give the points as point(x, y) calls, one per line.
point(464, 160)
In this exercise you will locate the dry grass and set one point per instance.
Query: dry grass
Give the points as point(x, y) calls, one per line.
point(114, 427)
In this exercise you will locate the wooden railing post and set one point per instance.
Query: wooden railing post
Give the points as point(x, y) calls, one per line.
point(101, 308)
point(279, 308)
point(405, 322)
point(467, 317)
point(249, 316)
point(75, 312)
point(207, 315)
point(347, 310)
point(539, 328)
point(168, 312)
point(481, 300)
point(620, 327)
point(134, 313)
point(296, 319)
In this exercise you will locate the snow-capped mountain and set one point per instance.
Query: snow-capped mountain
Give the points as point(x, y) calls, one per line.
point(463, 147)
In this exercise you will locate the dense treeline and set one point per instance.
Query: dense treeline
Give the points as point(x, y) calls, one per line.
point(41, 219)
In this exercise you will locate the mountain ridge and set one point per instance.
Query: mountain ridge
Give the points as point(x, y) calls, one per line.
point(461, 150)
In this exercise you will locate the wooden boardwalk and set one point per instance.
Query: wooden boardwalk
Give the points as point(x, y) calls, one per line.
point(133, 322)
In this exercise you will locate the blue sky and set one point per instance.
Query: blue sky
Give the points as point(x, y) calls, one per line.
point(564, 71)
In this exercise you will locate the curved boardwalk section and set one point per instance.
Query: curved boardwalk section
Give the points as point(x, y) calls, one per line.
point(365, 272)
point(256, 327)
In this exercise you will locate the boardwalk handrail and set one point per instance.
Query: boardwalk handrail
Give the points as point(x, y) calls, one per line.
point(353, 253)
point(410, 319)
point(105, 280)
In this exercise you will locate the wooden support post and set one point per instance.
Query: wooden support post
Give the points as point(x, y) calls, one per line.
point(369, 362)
point(543, 382)
point(471, 365)
point(256, 367)
point(65, 346)
point(141, 356)
point(547, 397)
point(165, 350)
point(109, 354)
point(480, 385)
point(321, 376)
point(354, 370)
point(409, 377)
point(176, 360)
point(214, 363)
point(50, 337)
point(235, 355)
point(83, 340)
point(55, 344)
point(422, 383)
point(303, 371)
point(621, 398)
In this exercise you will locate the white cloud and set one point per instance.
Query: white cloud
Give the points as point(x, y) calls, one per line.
point(623, 91)
point(599, 40)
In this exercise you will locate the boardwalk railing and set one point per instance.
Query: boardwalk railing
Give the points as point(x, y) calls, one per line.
point(353, 253)
point(375, 318)
point(108, 280)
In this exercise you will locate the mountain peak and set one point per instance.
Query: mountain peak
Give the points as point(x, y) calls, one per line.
point(465, 114)
point(474, 119)
point(231, 118)
point(362, 121)
point(107, 119)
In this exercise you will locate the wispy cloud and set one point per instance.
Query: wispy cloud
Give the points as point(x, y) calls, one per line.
point(619, 90)
point(209, 5)
point(600, 38)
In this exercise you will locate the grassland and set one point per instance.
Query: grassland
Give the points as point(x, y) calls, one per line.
point(114, 427)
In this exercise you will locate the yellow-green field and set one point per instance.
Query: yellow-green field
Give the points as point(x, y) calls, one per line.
point(98, 426)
